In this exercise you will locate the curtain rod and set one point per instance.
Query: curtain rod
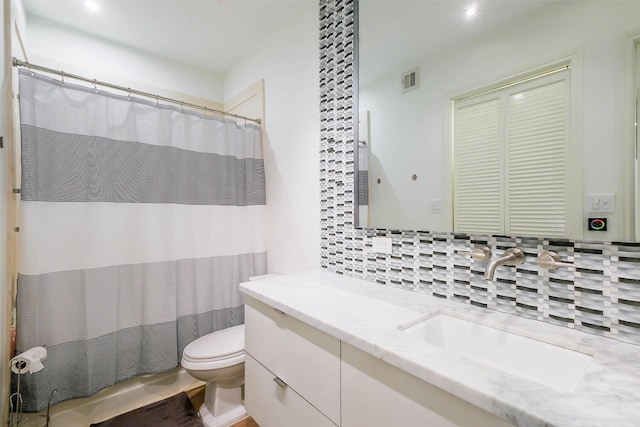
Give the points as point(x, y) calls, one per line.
point(18, 63)
point(515, 82)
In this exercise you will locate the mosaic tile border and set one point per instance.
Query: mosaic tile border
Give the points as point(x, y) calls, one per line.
point(601, 296)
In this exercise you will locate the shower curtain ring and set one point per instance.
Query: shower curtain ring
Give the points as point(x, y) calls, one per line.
point(95, 86)
point(128, 93)
point(182, 106)
point(62, 76)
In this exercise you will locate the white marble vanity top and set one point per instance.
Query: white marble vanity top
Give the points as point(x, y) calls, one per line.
point(367, 316)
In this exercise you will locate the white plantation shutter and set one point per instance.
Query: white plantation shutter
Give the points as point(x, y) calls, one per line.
point(478, 201)
point(537, 181)
point(511, 156)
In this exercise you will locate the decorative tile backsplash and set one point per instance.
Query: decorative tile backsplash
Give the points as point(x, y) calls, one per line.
point(601, 295)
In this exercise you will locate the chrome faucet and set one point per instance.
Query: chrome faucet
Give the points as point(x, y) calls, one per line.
point(512, 256)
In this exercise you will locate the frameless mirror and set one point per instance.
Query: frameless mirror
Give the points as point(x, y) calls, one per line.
point(421, 62)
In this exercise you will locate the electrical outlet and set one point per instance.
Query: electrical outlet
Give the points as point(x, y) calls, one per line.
point(381, 245)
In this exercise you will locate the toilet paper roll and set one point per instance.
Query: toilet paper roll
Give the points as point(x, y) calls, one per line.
point(30, 361)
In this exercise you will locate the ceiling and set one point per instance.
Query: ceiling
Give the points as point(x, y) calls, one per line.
point(401, 32)
point(210, 34)
point(216, 34)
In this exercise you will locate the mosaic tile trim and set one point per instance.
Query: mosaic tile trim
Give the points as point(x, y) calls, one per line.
point(601, 296)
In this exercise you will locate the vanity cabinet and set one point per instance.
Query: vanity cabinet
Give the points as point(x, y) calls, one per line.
point(292, 370)
point(297, 375)
point(376, 394)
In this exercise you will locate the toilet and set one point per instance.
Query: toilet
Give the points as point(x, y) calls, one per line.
point(218, 359)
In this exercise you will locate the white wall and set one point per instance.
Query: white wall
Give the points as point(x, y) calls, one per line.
point(595, 34)
point(66, 49)
point(289, 63)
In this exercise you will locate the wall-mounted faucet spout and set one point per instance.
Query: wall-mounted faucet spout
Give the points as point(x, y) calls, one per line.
point(512, 256)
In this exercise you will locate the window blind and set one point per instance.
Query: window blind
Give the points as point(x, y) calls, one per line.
point(510, 159)
point(478, 201)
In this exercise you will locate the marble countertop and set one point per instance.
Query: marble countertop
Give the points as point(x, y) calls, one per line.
point(367, 316)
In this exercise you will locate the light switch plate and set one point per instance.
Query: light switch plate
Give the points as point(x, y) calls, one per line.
point(601, 203)
point(435, 206)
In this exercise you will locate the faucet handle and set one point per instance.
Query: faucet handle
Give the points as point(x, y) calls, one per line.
point(478, 254)
point(550, 260)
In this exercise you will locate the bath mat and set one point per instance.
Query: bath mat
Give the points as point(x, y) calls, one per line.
point(176, 411)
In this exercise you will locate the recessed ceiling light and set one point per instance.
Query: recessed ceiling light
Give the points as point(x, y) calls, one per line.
point(92, 5)
point(471, 11)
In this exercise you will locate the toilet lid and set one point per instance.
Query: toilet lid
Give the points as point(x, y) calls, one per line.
point(221, 344)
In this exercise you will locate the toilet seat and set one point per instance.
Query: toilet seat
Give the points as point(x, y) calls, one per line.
point(216, 350)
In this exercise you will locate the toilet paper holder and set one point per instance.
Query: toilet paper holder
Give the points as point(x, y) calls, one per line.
point(18, 366)
point(15, 399)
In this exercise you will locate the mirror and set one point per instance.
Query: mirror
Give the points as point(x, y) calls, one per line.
point(415, 58)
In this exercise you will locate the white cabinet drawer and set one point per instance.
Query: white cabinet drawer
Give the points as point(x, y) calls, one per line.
point(305, 358)
point(274, 405)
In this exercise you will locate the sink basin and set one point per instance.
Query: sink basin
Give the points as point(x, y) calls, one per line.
point(547, 364)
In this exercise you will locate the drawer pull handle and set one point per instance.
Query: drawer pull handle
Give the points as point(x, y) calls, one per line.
point(280, 382)
point(279, 311)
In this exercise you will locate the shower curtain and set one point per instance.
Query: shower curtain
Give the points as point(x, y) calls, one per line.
point(138, 222)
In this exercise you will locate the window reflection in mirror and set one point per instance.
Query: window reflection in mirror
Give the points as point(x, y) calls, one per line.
point(512, 158)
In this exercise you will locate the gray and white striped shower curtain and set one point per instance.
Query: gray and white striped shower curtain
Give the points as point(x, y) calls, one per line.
point(138, 222)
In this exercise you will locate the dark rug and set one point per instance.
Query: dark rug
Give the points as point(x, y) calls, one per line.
point(175, 411)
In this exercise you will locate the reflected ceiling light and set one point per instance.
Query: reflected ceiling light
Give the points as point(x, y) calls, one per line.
point(471, 11)
point(92, 5)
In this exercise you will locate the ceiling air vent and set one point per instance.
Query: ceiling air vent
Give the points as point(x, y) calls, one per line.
point(411, 80)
